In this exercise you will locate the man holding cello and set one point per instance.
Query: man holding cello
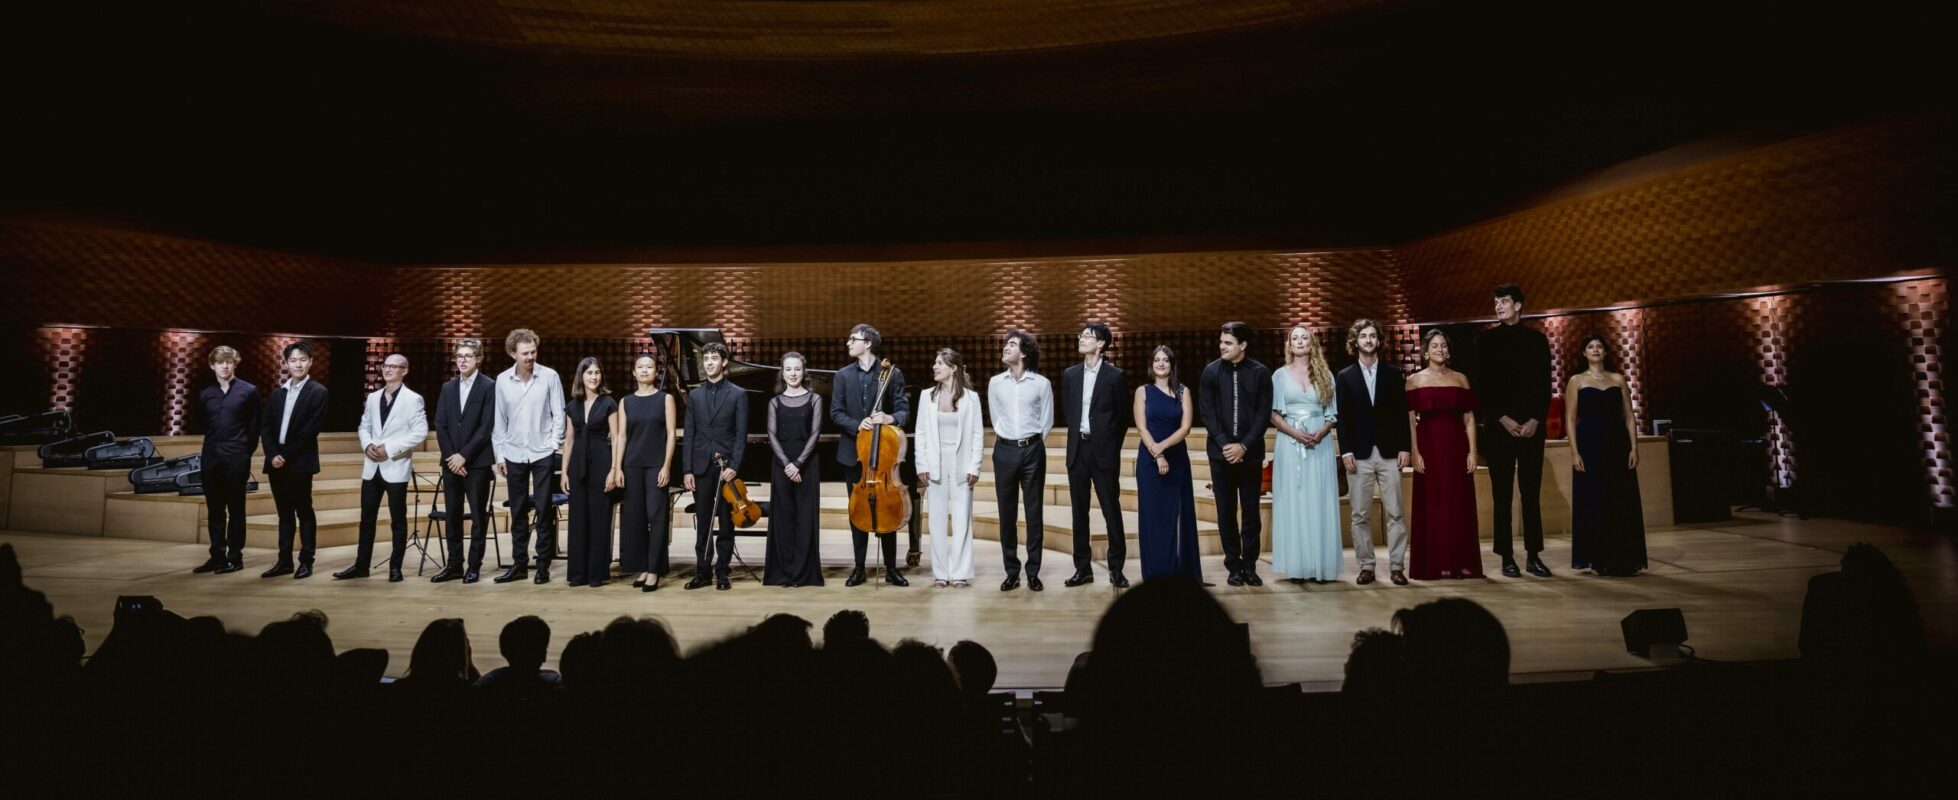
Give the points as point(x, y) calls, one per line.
point(857, 406)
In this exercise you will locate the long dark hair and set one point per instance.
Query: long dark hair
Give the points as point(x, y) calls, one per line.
point(961, 382)
point(1175, 383)
point(442, 654)
point(578, 378)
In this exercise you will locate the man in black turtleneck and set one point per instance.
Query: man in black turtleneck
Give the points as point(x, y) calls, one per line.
point(1512, 385)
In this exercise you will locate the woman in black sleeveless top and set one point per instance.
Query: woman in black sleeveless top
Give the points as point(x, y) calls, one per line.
point(644, 522)
point(591, 472)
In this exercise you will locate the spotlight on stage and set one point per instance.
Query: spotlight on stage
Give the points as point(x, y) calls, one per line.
point(1655, 633)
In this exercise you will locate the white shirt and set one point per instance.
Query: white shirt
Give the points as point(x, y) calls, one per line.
point(1368, 373)
point(463, 385)
point(529, 415)
point(292, 399)
point(1021, 408)
point(1088, 389)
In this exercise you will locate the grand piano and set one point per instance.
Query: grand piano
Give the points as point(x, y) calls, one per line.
point(678, 351)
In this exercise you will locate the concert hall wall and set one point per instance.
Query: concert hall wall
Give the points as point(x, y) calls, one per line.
point(1810, 265)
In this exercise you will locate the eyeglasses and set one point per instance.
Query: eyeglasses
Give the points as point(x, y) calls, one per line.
point(394, 366)
point(855, 339)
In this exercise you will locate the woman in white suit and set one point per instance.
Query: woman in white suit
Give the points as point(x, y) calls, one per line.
point(948, 451)
point(392, 425)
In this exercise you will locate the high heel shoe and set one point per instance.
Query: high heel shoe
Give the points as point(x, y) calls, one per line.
point(639, 583)
point(650, 585)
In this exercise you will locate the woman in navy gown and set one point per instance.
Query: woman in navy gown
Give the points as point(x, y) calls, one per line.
point(1166, 502)
point(1607, 524)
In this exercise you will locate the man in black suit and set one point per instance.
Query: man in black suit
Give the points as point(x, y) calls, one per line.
point(1373, 447)
point(1092, 394)
point(716, 424)
point(852, 395)
point(230, 437)
point(1512, 386)
point(293, 416)
point(1234, 397)
point(464, 415)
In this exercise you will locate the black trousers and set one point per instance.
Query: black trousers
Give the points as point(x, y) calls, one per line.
point(1238, 486)
point(371, 490)
point(224, 503)
point(292, 496)
point(530, 492)
point(1106, 481)
point(589, 548)
point(645, 522)
point(1514, 464)
point(707, 489)
point(1020, 472)
point(476, 488)
point(860, 539)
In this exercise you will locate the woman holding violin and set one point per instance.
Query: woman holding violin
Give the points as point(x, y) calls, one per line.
point(795, 417)
point(868, 404)
point(716, 433)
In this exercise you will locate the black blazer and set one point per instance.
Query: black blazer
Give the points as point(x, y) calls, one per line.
point(1365, 425)
point(591, 437)
point(466, 429)
point(1104, 417)
point(302, 445)
point(852, 393)
point(714, 428)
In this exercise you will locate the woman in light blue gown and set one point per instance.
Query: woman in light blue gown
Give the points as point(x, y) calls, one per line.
point(1305, 539)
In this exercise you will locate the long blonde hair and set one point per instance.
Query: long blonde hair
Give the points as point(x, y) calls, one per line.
point(1322, 375)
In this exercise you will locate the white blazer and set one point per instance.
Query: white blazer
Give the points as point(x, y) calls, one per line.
point(971, 441)
point(407, 427)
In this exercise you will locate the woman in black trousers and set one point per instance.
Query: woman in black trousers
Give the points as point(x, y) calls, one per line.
point(644, 526)
point(591, 471)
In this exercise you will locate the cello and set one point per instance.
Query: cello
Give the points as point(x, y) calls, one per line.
point(878, 503)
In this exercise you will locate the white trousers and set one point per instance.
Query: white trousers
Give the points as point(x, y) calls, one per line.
point(948, 516)
point(1380, 475)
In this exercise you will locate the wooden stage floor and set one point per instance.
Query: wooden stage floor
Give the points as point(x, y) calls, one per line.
point(1740, 584)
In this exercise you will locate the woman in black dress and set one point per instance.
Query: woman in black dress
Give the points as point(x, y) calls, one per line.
point(591, 472)
point(644, 524)
point(795, 506)
point(1607, 525)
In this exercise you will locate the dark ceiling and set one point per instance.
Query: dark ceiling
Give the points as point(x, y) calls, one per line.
point(463, 130)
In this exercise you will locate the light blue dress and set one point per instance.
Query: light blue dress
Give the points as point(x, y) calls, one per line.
point(1305, 539)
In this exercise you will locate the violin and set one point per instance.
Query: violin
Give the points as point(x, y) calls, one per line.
point(878, 503)
point(735, 494)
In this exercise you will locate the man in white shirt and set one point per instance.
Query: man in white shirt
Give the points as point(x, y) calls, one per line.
point(1022, 404)
point(392, 424)
point(528, 429)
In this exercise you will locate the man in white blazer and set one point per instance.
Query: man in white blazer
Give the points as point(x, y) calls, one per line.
point(393, 423)
point(950, 441)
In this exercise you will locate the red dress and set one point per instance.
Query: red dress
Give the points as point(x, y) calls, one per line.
point(1442, 536)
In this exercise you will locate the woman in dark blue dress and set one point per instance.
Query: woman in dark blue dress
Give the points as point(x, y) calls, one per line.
point(1607, 524)
point(1165, 495)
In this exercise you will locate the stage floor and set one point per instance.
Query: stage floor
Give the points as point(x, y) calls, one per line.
point(1740, 584)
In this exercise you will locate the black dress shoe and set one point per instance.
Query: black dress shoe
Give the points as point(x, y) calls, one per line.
point(855, 579)
point(1012, 582)
point(1079, 578)
point(650, 585)
point(1235, 579)
point(444, 576)
point(212, 565)
point(721, 584)
point(1398, 577)
point(1118, 580)
point(303, 572)
point(1536, 567)
point(276, 571)
point(472, 576)
point(230, 567)
point(892, 577)
point(394, 575)
point(543, 575)
point(1251, 578)
point(1034, 584)
point(699, 579)
point(355, 571)
point(1509, 569)
point(515, 573)
point(638, 583)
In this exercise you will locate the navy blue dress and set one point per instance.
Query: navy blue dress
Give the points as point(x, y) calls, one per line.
point(1607, 526)
point(1166, 504)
